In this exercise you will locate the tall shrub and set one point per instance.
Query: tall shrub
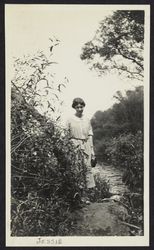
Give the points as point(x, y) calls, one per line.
point(126, 151)
point(47, 172)
point(46, 175)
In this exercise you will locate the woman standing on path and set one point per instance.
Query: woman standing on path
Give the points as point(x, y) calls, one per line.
point(81, 135)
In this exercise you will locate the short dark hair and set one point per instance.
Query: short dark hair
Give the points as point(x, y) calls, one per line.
point(77, 101)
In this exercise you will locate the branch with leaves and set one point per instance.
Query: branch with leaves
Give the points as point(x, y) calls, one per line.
point(119, 40)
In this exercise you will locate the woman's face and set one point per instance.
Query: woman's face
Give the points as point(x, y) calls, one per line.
point(79, 109)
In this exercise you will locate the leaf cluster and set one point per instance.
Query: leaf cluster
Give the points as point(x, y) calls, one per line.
point(134, 204)
point(126, 151)
point(47, 171)
point(118, 136)
point(118, 45)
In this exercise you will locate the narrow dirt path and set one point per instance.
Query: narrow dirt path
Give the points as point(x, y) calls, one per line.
point(105, 218)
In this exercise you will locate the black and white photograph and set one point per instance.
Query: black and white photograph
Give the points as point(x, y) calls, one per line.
point(77, 116)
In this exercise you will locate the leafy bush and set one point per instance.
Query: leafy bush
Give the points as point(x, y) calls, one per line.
point(125, 117)
point(46, 175)
point(47, 171)
point(127, 151)
point(134, 204)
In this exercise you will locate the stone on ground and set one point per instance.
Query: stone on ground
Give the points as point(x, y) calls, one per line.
point(101, 219)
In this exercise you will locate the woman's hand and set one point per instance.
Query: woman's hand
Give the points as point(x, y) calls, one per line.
point(93, 161)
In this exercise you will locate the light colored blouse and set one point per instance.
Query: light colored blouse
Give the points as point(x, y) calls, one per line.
point(80, 129)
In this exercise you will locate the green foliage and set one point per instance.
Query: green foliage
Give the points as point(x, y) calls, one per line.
point(118, 45)
point(134, 204)
point(36, 82)
point(128, 108)
point(46, 175)
point(47, 171)
point(37, 216)
point(120, 118)
point(127, 151)
point(118, 136)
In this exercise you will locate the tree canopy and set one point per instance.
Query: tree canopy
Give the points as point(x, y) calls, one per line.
point(118, 45)
point(126, 116)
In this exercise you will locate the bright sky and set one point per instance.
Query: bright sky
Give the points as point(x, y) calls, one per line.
point(28, 28)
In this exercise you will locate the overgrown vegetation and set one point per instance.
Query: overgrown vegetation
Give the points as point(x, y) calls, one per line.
point(118, 139)
point(126, 151)
point(46, 175)
point(118, 136)
point(134, 204)
point(117, 48)
point(47, 171)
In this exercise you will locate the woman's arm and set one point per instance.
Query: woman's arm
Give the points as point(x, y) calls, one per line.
point(91, 144)
point(90, 136)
